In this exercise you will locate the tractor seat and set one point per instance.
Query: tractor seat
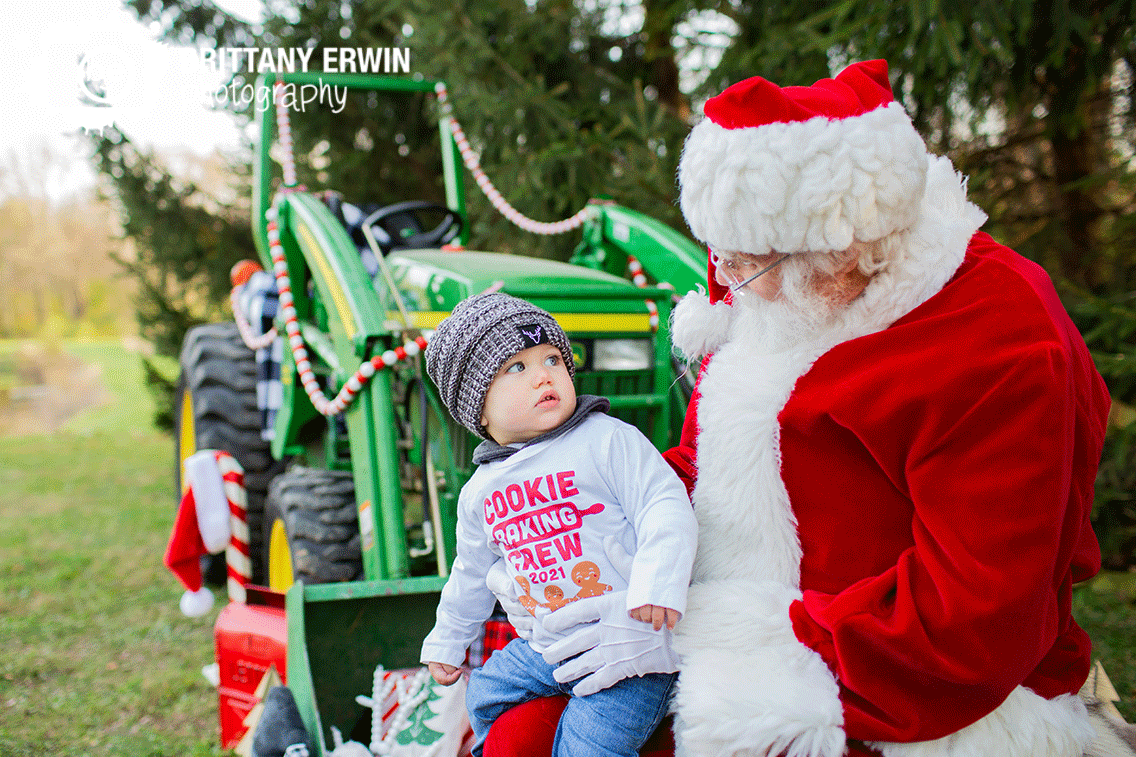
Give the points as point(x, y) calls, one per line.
point(394, 227)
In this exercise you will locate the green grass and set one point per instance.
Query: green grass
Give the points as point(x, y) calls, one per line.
point(130, 409)
point(97, 659)
point(1106, 608)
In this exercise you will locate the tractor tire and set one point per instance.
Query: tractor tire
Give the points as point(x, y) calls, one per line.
point(311, 529)
point(216, 408)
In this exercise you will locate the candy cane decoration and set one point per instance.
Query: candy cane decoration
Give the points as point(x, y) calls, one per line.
point(472, 162)
point(237, 553)
point(215, 501)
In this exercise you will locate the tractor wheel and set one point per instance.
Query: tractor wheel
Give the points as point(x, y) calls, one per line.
point(311, 528)
point(216, 409)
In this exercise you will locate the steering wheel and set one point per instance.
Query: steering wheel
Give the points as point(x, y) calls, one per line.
point(399, 226)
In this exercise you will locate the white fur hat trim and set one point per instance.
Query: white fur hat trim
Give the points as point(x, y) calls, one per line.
point(698, 327)
point(798, 186)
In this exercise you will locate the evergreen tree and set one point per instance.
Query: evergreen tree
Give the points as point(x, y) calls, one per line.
point(560, 108)
point(185, 243)
point(416, 731)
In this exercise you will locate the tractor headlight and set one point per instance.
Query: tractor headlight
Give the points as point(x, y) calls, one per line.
point(623, 355)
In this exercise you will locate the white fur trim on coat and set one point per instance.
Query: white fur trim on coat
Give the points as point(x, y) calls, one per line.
point(805, 185)
point(748, 687)
point(746, 527)
point(698, 327)
point(1025, 725)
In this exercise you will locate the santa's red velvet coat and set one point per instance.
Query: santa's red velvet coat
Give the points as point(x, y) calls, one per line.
point(892, 514)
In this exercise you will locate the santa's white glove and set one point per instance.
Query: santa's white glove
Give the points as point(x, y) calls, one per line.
point(507, 592)
point(611, 647)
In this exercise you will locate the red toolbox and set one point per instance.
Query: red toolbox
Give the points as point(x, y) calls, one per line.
point(250, 639)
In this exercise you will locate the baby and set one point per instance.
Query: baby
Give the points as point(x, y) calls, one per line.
point(556, 476)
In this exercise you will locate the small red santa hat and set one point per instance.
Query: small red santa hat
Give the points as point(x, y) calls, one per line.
point(796, 169)
point(200, 528)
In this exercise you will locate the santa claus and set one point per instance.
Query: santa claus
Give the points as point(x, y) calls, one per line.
point(891, 451)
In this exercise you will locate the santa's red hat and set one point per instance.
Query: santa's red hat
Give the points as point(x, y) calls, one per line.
point(795, 169)
point(200, 528)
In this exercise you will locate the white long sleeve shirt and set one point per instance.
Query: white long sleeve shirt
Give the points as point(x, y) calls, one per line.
point(546, 511)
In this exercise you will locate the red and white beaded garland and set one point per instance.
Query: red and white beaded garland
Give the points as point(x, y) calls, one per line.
point(237, 559)
point(640, 280)
point(307, 377)
point(284, 134)
point(469, 157)
point(280, 268)
point(251, 340)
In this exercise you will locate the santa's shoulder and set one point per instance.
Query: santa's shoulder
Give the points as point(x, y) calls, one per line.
point(995, 298)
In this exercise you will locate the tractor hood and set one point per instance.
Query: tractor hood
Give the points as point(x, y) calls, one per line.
point(432, 282)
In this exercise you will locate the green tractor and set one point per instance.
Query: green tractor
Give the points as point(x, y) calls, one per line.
point(352, 514)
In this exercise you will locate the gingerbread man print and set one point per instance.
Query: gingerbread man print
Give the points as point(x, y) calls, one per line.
point(586, 575)
point(555, 596)
point(526, 599)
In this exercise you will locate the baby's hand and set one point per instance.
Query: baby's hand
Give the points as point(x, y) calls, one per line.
point(656, 616)
point(444, 674)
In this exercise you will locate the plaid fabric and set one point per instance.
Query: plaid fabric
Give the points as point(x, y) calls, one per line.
point(496, 633)
point(259, 302)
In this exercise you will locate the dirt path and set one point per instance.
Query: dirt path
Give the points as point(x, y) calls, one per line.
point(42, 389)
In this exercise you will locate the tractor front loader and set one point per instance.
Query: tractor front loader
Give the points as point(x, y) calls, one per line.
point(352, 464)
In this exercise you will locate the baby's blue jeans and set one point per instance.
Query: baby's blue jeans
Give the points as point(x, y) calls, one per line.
point(614, 722)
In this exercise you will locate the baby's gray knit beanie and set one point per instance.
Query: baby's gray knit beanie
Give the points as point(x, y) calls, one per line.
point(471, 345)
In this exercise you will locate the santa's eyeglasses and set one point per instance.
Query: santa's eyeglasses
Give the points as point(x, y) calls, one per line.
point(744, 266)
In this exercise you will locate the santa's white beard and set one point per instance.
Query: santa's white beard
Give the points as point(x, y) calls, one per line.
point(804, 309)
